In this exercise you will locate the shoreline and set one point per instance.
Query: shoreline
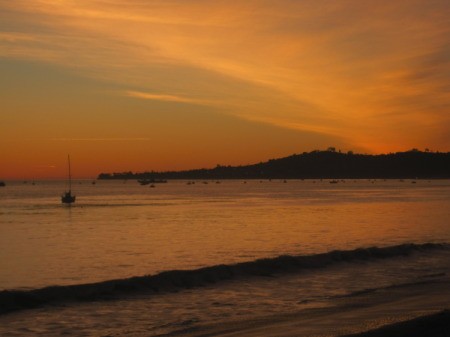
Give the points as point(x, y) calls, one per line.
point(386, 313)
point(366, 313)
point(173, 280)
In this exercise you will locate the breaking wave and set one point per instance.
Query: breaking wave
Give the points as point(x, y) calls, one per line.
point(11, 300)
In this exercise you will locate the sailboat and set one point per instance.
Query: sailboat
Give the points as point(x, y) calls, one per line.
point(67, 197)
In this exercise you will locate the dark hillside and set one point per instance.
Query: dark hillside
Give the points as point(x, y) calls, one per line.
point(319, 164)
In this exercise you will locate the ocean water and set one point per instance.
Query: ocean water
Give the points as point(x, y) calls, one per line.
point(179, 258)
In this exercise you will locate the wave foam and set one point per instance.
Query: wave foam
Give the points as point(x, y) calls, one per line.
point(11, 300)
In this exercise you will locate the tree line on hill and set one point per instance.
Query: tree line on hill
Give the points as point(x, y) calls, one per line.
point(328, 164)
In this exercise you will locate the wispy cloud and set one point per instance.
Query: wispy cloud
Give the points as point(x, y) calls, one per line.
point(166, 98)
point(131, 139)
point(16, 37)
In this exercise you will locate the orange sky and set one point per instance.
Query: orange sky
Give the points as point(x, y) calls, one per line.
point(178, 84)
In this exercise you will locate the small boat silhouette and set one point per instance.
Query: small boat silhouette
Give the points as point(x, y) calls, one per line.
point(67, 197)
point(151, 181)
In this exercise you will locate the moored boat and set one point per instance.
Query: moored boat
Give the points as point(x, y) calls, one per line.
point(67, 197)
point(151, 181)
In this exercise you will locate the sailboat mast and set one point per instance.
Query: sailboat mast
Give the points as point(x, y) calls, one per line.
point(70, 176)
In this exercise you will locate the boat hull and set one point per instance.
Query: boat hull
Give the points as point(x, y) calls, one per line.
point(67, 198)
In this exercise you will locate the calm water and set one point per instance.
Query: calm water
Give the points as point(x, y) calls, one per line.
point(119, 229)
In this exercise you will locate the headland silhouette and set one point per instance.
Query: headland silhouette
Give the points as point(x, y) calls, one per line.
point(329, 164)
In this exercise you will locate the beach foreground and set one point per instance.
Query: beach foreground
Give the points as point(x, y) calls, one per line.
point(436, 325)
point(356, 296)
point(419, 309)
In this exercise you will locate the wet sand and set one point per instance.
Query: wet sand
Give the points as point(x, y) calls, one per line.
point(388, 312)
point(436, 325)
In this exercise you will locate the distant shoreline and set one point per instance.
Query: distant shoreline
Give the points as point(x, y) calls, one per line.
point(329, 164)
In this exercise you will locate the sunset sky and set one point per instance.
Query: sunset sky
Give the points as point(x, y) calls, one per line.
point(178, 84)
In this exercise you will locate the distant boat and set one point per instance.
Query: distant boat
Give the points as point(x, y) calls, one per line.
point(67, 197)
point(151, 181)
point(2, 183)
point(334, 182)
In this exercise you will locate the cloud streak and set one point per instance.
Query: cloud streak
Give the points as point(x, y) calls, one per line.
point(166, 98)
point(138, 139)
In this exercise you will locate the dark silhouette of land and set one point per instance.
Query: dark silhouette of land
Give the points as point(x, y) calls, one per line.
point(328, 164)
